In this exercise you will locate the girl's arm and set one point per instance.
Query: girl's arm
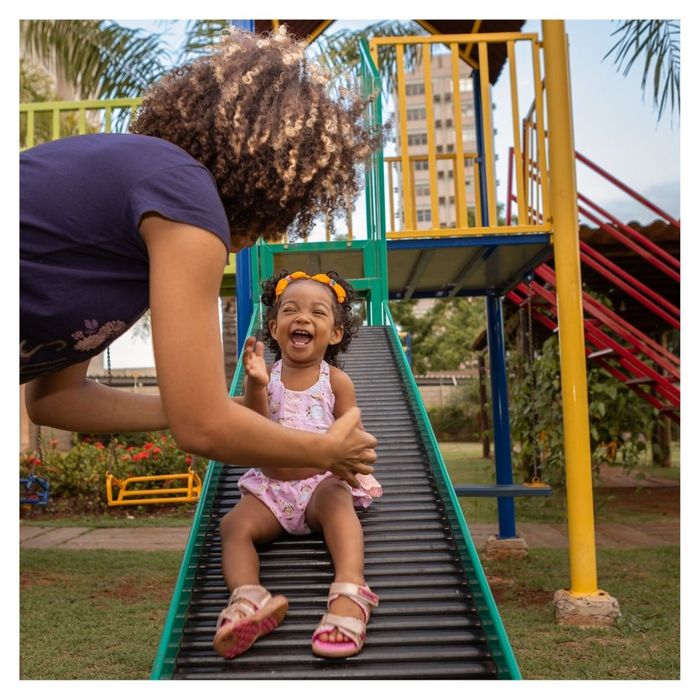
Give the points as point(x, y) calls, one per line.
point(186, 266)
point(344, 391)
point(256, 378)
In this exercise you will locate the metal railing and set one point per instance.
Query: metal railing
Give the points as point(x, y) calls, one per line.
point(48, 121)
point(405, 163)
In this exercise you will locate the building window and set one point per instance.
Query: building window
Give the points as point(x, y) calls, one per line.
point(417, 139)
point(465, 85)
point(450, 148)
point(448, 123)
point(423, 215)
point(415, 114)
point(436, 98)
point(438, 123)
point(415, 89)
point(448, 97)
point(421, 165)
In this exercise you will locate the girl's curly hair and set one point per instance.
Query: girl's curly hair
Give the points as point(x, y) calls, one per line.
point(344, 315)
point(256, 113)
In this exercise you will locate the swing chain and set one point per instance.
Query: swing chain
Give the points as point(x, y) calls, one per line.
point(112, 458)
point(535, 476)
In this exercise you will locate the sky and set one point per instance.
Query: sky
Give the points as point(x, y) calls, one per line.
point(615, 125)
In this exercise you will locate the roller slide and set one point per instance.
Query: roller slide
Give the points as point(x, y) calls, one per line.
point(436, 619)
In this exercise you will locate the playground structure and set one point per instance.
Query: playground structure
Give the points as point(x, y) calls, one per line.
point(438, 618)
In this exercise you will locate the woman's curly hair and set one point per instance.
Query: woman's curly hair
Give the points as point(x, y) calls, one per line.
point(257, 114)
point(344, 314)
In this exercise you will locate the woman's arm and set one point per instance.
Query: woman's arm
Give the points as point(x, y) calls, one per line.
point(186, 265)
point(68, 401)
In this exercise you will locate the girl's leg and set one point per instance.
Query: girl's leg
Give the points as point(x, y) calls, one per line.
point(331, 512)
point(250, 522)
point(251, 611)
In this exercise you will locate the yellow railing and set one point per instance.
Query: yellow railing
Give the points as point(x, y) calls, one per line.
point(465, 166)
point(48, 121)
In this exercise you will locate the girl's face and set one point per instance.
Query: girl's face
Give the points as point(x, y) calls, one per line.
point(305, 325)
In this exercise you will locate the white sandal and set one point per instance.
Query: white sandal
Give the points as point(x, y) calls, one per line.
point(251, 613)
point(351, 627)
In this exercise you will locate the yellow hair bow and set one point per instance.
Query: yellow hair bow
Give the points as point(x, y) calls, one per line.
point(323, 279)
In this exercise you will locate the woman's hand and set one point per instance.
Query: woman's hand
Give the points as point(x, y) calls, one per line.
point(350, 448)
point(254, 363)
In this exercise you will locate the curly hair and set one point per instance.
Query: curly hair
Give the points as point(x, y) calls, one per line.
point(344, 316)
point(257, 114)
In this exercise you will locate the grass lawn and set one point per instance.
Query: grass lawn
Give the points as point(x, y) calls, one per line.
point(92, 614)
point(645, 643)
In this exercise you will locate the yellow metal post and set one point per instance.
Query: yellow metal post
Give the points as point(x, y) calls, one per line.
point(564, 212)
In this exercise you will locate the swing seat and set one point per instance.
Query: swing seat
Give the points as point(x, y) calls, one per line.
point(503, 490)
point(129, 493)
point(34, 490)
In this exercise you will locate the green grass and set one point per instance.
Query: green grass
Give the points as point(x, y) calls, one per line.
point(644, 644)
point(155, 516)
point(93, 614)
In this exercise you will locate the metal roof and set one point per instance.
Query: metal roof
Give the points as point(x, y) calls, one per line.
point(312, 28)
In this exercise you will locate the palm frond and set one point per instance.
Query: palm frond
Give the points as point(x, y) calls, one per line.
point(657, 42)
point(99, 58)
point(200, 34)
point(339, 52)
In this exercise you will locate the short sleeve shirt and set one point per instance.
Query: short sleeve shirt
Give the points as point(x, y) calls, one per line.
point(83, 263)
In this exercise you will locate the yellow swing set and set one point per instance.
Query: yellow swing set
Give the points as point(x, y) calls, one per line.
point(184, 487)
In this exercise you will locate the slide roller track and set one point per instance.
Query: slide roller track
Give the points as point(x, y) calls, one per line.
point(428, 624)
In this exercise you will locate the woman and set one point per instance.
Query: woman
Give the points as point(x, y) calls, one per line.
point(240, 144)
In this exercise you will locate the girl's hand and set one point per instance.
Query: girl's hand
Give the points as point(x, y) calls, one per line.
point(350, 448)
point(254, 362)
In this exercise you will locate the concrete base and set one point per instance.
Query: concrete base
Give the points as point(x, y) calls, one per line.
point(508, 548)
point(597, 610)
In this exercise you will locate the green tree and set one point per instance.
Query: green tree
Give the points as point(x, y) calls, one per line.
point(441, 337)
point(657, 44)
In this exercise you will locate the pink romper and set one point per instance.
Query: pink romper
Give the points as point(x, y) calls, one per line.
point(310, 410)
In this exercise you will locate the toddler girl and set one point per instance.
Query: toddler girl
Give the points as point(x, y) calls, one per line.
point(309, 321)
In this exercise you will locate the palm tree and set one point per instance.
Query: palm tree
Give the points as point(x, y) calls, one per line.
point(657, 42)
point(93, 59)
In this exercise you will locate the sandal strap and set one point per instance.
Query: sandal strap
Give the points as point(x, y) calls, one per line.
point(245, 600)
point(362, 595)
point(350, 626)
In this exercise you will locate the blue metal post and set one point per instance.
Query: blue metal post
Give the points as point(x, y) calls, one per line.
point(244, 293)
point(244, 296)
point(497, 355)
point(501, 424)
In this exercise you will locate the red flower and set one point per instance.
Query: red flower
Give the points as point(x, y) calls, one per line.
point(99, 446)
point(148, 446)
point(188, 460)
point(156, 450)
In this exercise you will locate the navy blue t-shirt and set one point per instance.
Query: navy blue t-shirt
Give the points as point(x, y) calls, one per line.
point(83, 263)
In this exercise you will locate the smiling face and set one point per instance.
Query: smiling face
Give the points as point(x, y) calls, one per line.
point(305, 324)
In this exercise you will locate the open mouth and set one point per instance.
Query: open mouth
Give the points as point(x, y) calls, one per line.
point(300, 339)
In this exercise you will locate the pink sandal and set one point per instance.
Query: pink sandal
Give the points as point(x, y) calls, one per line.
point(350, 626)
point(257, 613)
